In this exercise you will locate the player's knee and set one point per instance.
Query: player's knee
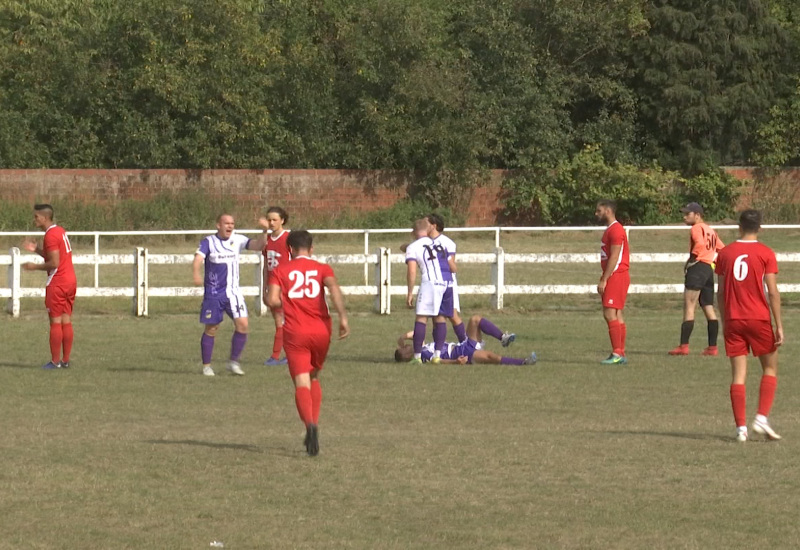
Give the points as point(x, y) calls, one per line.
point(211, 330)
point(475, 319)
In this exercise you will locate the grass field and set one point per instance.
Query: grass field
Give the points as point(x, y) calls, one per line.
point(133, 448)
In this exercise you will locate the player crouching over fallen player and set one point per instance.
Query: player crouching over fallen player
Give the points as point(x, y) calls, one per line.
point(470, 351)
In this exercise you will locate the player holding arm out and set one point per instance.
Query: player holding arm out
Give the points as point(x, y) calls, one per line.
point(298, 287)
point(744, 269)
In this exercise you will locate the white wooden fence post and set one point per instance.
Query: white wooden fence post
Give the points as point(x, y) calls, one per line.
point(14, 282)
point(261, 308)
point(383, 280)
point(498, 278)
point(140, 282)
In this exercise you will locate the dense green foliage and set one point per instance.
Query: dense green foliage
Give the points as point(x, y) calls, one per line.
point(443, 90)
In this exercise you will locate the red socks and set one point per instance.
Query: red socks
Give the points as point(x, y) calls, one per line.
point(302, 398)
point(66, 331)
point(766, 394)
point(277, 344)
point(56, 336)
point(615, 334)
point(624, 329)
point(739, 404)
point(316, 400)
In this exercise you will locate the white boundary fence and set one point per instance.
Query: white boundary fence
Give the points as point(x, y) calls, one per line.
point(380, 262)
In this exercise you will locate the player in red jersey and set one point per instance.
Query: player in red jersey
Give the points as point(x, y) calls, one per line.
point(298, 287)
point(744, 268)
point(61, 283)
point(704, 245)
point(276, 252)
point(615, 280)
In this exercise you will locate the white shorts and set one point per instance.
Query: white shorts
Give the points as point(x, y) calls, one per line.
point(435, 299)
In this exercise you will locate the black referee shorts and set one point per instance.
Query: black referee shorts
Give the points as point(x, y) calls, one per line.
point(700, 277)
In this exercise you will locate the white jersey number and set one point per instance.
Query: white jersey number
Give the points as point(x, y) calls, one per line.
point(740, 268)
point(304, 285)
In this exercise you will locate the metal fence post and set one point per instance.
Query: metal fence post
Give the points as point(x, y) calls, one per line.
point(140, 282)
point(14, 282)
point(498, 278)
point(261, 308)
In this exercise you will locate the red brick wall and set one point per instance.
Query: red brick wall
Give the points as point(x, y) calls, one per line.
point(305, 194)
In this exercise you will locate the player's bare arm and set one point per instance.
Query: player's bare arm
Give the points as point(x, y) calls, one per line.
point(197, 275)
point(406, 336)
point(272, 296)
point(775, 305)
point(613, 257)
point(338, 304)
point(51, 259)
point(451, 261)
point(33, 246)
point(257, 245)
point(462, 360)
point(411, 278)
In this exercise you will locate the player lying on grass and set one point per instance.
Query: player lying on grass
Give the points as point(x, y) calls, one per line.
point(469, 351)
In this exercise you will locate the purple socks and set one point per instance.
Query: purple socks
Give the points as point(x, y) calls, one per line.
point(206, 348)
point(490, 329)
point(461, 332)
point(419, 336)
point(511, 360)
point(238, 341)
point(439, 335)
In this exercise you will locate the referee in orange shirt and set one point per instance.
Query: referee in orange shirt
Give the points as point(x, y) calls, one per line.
point(704, 245)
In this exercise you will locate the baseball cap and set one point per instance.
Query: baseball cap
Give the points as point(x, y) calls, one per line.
point(692, 207)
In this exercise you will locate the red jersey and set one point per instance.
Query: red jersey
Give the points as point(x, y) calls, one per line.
point(615, 235)
point(55, 238)
point(704, 243)
point(276, 251)
point(744, 265)
point(303, 294)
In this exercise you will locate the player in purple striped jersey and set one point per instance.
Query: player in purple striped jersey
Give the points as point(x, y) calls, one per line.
point(468, 351)
point(434, 255)
point(219, 255)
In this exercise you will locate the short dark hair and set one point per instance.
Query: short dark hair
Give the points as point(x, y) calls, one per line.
point(44, 208)
point(750, 220)
point(221, 214)
point(299, 239)
point(398, 355)
point(279, 211)
point(437, 220)
point(608, 203)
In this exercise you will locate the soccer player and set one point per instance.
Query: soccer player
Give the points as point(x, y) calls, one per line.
point(435, 257)
point(615, 280)
point(468, 351)
point(275, 252)
point(219, 255)
point(704, 245)
point(61, 283)
point(744, 268)
point(298, 287)
point(419, 230)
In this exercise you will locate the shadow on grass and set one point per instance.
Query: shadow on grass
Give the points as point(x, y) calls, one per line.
point(19, 366)
point(159, 371)
point(233, 446)
point(681, 435)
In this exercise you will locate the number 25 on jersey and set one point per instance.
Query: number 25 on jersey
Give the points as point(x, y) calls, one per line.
point(304, 285)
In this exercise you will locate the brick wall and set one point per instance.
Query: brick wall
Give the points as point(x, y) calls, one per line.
point(305, 194)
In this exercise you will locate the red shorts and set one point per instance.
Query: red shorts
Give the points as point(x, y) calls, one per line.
point(306, 352)
point(59, 300)
point(742, 335)
point(617, 290)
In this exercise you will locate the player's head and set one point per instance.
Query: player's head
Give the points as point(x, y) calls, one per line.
point(276, 218)
point(225, 226)
point(436, 222)
point(749, 222)
point(404, 353)
point(420, 228)
point(606, 211)
point(692, 213)
point(299, 242)
point(42, 215)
